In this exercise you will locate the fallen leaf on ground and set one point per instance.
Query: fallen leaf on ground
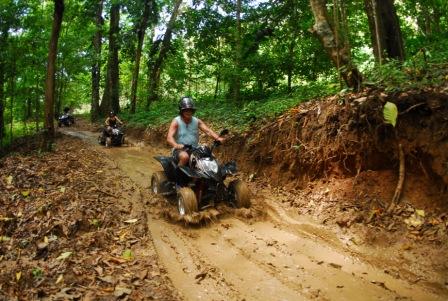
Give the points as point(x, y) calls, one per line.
point(131, 221)
point(127, 254)
point(60, 279)
point(121, 291)
point(64, 255)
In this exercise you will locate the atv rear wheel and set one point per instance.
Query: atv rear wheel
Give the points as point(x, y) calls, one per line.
point(157, 180)
point(186, 201)
point(241, 193)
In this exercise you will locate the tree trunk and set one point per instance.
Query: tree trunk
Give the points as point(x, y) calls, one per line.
point(290, 67)
point(236, 86)
point(3, 43)
point(59, 87)
point(111, 90)
point(338, 51)
point(385, 30)
point(138, 52)
point(29, 108)
point(96, 66)
point(50, 77)
point(154, 78)
point(37, 104)
point(12, 92)
point(218, 78)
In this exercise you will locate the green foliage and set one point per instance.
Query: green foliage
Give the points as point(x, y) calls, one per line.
point(19, 130)
point(282, 63)
point(225, 114)
point(37, 272)
point(390, 113)
point(427, 67)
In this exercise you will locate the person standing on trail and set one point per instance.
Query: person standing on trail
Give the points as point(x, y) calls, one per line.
point(184, 130)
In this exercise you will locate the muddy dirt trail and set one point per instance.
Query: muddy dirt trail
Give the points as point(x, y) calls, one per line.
point(279, 256)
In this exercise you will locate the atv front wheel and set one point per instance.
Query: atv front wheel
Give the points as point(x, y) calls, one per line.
point(108, 142)
point(157, 180)
point(186, 201)
point(101, 140)
point(241, 193)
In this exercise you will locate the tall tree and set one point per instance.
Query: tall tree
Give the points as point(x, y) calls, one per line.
point(96, 66)
point(236, 85)
point(336, 48)
point(3, 43)
point(385, 29)
point(50, 77)
point(110, 99)
point(156, 66)
point(143, 24)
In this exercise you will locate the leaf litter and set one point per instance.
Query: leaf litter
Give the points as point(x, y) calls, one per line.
point(58, 230)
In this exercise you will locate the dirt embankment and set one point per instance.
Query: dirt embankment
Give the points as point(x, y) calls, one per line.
point(339, 159)
point(342, 136)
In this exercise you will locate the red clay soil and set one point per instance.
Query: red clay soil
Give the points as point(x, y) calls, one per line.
point(338, 159)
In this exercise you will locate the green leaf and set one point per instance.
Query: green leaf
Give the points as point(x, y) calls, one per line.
point(390, 113)
point(127, 254)
point(5, 238)
point(37, 272)
point(26, 193)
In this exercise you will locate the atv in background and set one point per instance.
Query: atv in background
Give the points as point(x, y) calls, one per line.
point(202, 180)
point(66, 120)
point(115, 138)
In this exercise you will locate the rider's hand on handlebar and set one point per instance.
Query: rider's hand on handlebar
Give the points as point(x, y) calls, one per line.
point(179, 146)
point(221, 139)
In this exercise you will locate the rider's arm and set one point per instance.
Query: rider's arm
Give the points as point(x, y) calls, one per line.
point(107, 121)
point(118, 120)
point(203, 127)
point(170, 137)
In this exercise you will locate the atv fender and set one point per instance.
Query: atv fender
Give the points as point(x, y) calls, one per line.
point(188, 171)
point(168, 166)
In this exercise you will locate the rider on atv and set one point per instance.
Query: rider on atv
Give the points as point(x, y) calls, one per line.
point(184, 131)
point(110, 123)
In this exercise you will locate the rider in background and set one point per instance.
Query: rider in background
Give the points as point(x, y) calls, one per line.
point(184, 130)
point(110, 123)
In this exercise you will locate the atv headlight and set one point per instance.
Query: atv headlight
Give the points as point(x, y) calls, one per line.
point(208, 165)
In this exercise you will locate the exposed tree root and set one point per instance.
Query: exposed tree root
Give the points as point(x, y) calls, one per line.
point(400, 183)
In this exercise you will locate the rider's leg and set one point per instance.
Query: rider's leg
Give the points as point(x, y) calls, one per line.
point(182, 158)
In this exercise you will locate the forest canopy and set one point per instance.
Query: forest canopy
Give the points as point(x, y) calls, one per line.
point(240, 59)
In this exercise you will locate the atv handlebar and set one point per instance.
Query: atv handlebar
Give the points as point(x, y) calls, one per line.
point(216, 143)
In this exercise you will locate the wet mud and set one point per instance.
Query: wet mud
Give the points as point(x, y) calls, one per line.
point(270, 252)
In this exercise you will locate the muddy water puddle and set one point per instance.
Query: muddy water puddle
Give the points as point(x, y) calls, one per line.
point(283, 257)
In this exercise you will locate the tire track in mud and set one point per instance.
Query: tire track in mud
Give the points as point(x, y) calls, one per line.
point(188, 271)
point(278, 258)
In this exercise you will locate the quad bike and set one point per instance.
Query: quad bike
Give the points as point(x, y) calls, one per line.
point(115, 138)
point(66, 120)
point(202, 181)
